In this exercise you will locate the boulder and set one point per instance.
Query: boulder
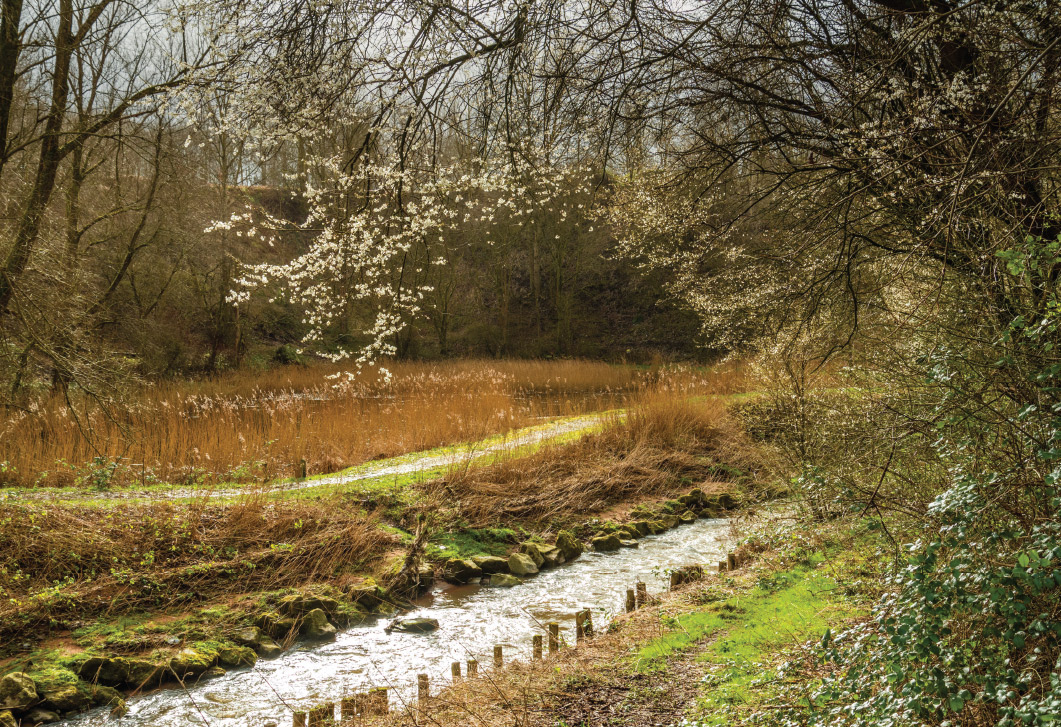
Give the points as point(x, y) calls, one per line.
point(7, 719)
point(300, 604)
point(727, 501)
point(279, 627)
point(249, 636)
point(628, 532)
point(642, 527)
point(315, 626)
point(268, 649)
point(534, 551)
point(568, 545)
point(687, 517)
point(140, 674)
point(190, 663)
point(491, 563)
point(107, 697)
point(234, 657)
point(459, 570)
point(414, 626)
point(628, 543)
point(66, 698)
point(17, 691)
point(213, 673)
point(504, 580)
point(605, 543)
point(40, 716)
point(553, 555)
point(522, 564)
point(670, 521)
point(98, 670)
point(672, 507)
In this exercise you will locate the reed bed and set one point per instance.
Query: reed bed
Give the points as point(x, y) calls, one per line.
point(244, 427)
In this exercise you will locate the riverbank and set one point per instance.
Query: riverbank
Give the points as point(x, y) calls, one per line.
point(185, 581)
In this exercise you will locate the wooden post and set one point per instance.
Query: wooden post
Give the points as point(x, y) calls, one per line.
point(499, 657)
point(322, 716)
point(537, 646)
point(675, 579)
point(587, 623)
point(348, 709)
point(423, 690)
point(731, 561)
point(455, 669)
point(580, 631)
point(473, 668)
point(302, 467)
point(554, 637)
point(381, 702)
point(631, 602)
point(642, 594)
point(722, 566)
point(299, 720)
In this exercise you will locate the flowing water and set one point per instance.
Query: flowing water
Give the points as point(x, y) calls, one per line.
point(472, 620)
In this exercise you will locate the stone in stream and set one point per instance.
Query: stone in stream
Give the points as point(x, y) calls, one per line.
point(629, 543)
point(249, 636)
point(642, 527)
point(234, 657)
point(66, 698)
point(366, 596)
point(687, 517)
point(276, 626)
point(522, 564)
point(504, 580)
point(268, 649)
point(140, 674)
point(533, 550)
point(315, 626)
point(107, 697)
point(101, 670)
point(17, 691)
point(670, 521)
point(213, 673)
point(190, 663)
point(459, 570)
point(696, 498)
point(414, 626)
point(606, 543)
point(40, 716)
point(491, 563)
point(7, 719)
point(568, 545)
point(300, 604)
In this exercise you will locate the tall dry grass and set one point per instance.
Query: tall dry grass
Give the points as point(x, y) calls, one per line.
point(247, 427)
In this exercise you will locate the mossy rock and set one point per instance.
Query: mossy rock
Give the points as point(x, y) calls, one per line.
point(533, 551)
point(606, 543)
point(7, 719)
point(490, 564)
point(672, 507)
point(641, 526)
point(142, 674)
point(504, 580)
point(315, 626)
point(275, 625)
point(234, 657)
point(268, 649)
point(17, 691)
point(670, 521)
point(39, 715)
point(568, 545)
point(522, 564)
point(249, 636)
point(300, 604)
point(658, 526)
point(107, 697)
point(367, 596)
point(67, 698)
point(687, 517)
point(459, 570)
point(191, 662)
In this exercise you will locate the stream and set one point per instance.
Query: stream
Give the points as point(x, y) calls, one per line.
point(472, 620)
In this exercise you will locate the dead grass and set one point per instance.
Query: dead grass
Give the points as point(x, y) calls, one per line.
point(666, 442)
point(256, 427)
point(64, 564)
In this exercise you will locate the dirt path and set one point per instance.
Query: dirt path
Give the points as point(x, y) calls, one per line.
point(405, 464)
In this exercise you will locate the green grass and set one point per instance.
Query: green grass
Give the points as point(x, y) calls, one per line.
point(749, 633)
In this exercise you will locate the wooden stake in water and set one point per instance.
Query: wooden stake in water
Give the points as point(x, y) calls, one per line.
point(455, 670)
point(580, 631)
point(731, 561)
point(554, 637)
point(631, 602)
point(348, 708)
point(423, 690)
point(722, 565)
point(499, 657)
point(675, 579)
point(322, 716)
point(537, 646)
point(380, 700)
point(299, 720)
point(302, 467)
point(473, 668)
point(587, 623)
point(642, 594)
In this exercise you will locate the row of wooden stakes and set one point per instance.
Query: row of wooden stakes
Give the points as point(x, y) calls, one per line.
point(375, 701)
